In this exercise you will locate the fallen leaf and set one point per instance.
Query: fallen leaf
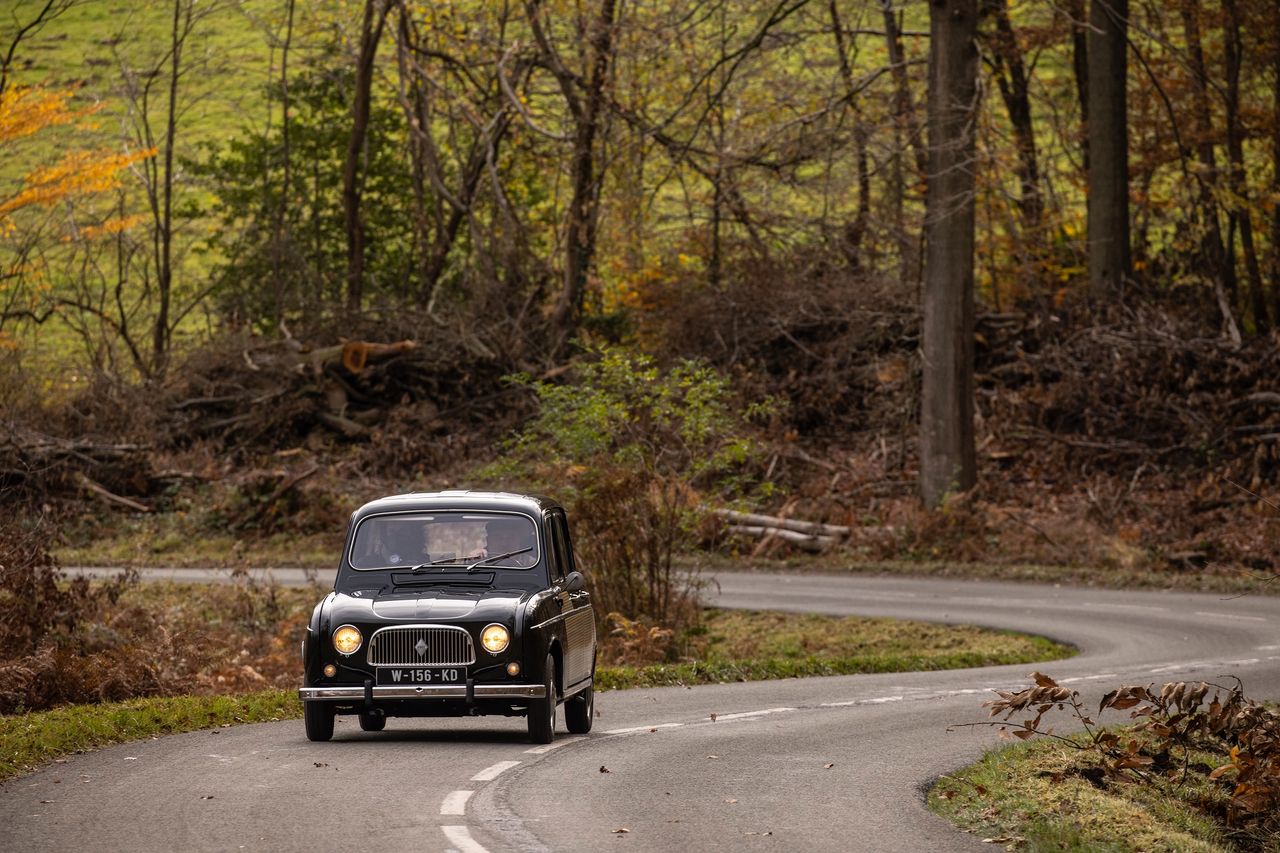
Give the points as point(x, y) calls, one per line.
point(946, 795)
point(321, 764)
point(713, 717)
point(731, 802)
point(46, 802)
point(57, 781)
point(209, 797)
point(622, 830)
point(130, 758)
point(651, 731)
point(828, 766)
point(604, 769)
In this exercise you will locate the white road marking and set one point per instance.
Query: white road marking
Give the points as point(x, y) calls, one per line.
point(644, 728)
point(879, 700)
point(542, 750)
point(490, 773)
point(1231, 616)
point(749, 714)
point(460, 838)
point(1268, 648)
point(456, 802)
point(1079, 678)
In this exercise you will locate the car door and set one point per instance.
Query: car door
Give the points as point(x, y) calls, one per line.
point(580, 623)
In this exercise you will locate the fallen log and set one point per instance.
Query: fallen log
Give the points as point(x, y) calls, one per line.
point(810, 527)
point(806, 541)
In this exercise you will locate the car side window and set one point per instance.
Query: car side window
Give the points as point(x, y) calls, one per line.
point(564, 546)
point(554, 549)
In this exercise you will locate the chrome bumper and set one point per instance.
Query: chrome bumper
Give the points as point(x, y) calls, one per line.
point(434, 691)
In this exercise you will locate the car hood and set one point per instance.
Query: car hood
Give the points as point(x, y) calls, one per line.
point(429, 605)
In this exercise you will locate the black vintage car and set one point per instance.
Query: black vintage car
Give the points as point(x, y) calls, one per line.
point(451, 604)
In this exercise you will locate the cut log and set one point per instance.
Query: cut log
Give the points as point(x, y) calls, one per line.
point(809, 527)
point(806, 541)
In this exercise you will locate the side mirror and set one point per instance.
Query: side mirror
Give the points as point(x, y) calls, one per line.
point(575, 582)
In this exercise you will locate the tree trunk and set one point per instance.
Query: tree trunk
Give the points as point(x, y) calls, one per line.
point(1221, 265)
point(1108, 207)
point(906, 135)
point(1234, 53)
point(855, 229)
point(584, 205)
point(280, 240)
point(1275, 161)
point(947, 456)
point(1015, 91)
point(164, 233)
point(1080, 65)
point(375, 16)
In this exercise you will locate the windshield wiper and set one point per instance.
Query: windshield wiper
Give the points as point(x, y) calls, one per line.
point(422, 567)
point(484, 560)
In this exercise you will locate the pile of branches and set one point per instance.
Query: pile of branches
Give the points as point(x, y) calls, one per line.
point(247, 395)
point(1131, 387)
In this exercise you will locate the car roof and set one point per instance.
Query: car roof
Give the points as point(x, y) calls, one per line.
point(457, 499)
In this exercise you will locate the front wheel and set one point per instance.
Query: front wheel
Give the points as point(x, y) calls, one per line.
point(542, 712)
point(579, 710)
point(318, 717)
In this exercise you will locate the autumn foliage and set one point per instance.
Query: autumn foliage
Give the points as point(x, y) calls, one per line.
point(1172, 723)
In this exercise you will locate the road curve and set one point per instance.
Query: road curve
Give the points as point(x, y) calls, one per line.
point(814, 764)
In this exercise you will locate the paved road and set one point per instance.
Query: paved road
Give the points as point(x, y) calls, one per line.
point(756, 778)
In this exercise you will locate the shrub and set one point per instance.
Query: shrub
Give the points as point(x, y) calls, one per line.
point(639, 454)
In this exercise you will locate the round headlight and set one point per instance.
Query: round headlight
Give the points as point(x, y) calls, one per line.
point(347, 639)
point(494, 638)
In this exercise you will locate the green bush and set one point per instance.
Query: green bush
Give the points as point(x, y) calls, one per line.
point(639, 454)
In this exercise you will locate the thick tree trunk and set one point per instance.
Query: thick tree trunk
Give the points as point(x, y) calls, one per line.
point(1108, 207)
point(1239, 182)
point(375, 17)
point(947, 456)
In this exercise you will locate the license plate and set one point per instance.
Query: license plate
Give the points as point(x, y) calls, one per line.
point(422, 675)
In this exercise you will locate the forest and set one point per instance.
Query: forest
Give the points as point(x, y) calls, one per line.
point(979, 282)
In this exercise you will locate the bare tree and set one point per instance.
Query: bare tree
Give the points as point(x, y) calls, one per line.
point(373, 21)
point(584, 96)
point(947, 456)
point(1108, 206)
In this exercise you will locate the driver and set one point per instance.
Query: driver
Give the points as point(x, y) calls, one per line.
point(505, 535)
point(404, 543)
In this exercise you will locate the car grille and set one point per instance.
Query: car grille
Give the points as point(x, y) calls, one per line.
point(440, 647)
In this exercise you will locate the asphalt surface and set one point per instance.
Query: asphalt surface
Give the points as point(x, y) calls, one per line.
point(813, 764)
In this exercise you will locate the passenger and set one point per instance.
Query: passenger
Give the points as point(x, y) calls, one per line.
point(404, 543)
point(505, 535)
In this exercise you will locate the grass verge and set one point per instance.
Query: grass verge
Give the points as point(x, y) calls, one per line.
point(771, 645)
point(27, 740)
point(1045, 795)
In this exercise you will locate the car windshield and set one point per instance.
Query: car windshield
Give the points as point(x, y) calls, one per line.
point(438, 541)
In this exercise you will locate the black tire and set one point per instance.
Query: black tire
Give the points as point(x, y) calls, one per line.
point(579, 710)
point(542, 712)
point(373, 722)
point(318, 717)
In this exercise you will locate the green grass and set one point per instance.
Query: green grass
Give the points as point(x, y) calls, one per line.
point(789, 646)
point(1033, 797)
point(1225, 580)
point(27, 740)
point(755, 646)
